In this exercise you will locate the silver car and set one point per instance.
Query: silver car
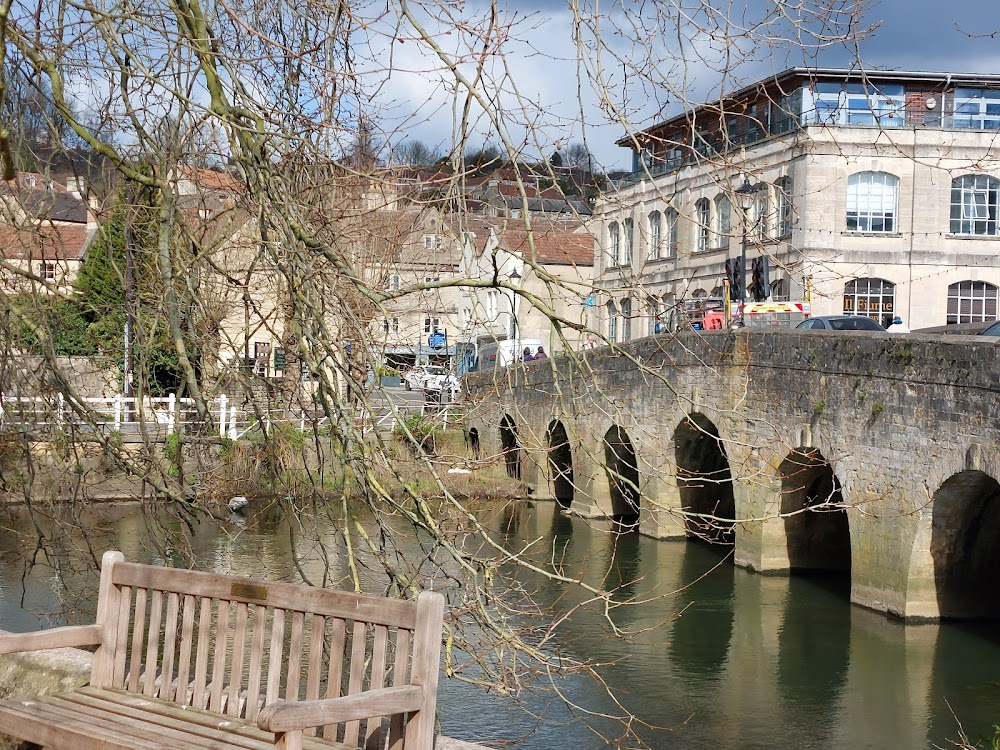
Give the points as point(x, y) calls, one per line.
point(839, 323)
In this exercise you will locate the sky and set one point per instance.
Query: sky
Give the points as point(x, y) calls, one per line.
point(558, 100)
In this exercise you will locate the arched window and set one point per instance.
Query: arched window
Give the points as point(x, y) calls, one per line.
point(974, 200)
point(614, 242)
point(723, 220)
point(703, 212)
point(872, 199)
point(762, 213)
point(783, 207)
point(626, 257)
point(655, 234)
point(780, 290)
point(875, 298)
point(972, 302)
point(653, 308)
point(626, 320)
point(671, 233)
point(612, 313)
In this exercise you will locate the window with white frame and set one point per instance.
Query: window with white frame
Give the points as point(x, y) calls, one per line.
point(872, 200)
point(655, 234)
point(430, 240)
point(723, 220)
point(672, 233)
point(394, 282)
point(653, 307)
point(431, 324)
point(626, 258)
point(614, 242)
point(974, 199)
point(612, 312)
point(395, 325)
point(972, 302)
point(703, 215)
point(626, 320)
point(857, 104)
point(978, 109)
point(783, 207)
point(49, 271)
point(875, 298)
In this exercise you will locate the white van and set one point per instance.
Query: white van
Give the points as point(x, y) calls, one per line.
point(503, 353)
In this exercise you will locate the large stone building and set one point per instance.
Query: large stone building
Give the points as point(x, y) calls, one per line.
point(876, 193)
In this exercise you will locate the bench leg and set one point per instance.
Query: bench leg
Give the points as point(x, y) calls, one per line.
point(288, 740)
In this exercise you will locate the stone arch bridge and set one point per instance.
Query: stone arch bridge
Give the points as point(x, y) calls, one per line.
point(868, 453)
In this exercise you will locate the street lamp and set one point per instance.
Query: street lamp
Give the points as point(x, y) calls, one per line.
point(746, 194)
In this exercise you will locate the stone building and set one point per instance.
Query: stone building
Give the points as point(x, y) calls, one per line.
point(874, 193)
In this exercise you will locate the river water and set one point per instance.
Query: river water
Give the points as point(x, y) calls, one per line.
point(711, 657)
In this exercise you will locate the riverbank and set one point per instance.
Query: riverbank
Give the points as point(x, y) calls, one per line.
point(46, 672)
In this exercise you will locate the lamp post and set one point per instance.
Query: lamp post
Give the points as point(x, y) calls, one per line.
point(745, 194)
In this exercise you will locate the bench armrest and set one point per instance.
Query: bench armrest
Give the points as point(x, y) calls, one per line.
point(288, 716)
point(71, 636)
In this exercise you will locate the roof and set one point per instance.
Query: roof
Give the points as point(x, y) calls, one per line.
point(45, 241)
point(556, 243)
point(210, 179)
point(42, 199)
point(779, 80)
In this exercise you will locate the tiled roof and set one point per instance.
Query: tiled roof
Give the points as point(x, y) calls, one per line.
point(555, 243)
point(45, 241)
point(210, 179)
point(43, 199)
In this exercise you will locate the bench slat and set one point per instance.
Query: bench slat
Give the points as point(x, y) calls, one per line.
point(274, 662)
point(293, 672)
point(198, 698)
point(138, 638)
point(317, 634)
point(169, 644)
point(152, 644)
point(34, 723)
point(222, 633)
point(335, 669)
point(155, 710)
point(239, 652)
point(256, 663)
point(121, 638)
point(399, 678)
point(380, 645)
point(287, 596)
point(184, 658)
point(355, 683)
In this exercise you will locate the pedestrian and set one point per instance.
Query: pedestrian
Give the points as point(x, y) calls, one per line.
point(526, 355)
point(591, 342)
point(540, 354)
point(898, 326)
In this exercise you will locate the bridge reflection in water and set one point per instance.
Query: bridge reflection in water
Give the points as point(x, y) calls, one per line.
point(710, 655)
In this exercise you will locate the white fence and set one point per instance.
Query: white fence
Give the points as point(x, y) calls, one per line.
point(118, 411)
point(167, 414)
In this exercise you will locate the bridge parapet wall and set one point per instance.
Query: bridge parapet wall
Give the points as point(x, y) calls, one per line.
point(893, 416)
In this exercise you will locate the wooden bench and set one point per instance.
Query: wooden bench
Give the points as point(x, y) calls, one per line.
point(212, 662)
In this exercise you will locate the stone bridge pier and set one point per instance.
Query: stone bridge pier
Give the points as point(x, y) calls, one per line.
point(863, 454)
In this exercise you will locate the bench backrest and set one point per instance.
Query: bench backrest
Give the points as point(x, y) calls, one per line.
point(234, 645)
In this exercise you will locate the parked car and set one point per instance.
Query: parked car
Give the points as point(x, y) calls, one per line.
point(993, 330)
point(416, 379)
point(445, 383)
point(840, 323)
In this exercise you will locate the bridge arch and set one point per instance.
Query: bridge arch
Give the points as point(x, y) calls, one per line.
point(622, 468)
point(510, 447)
point(704, 480)
point(966, 558)
point(560, 460)
point(817, 530)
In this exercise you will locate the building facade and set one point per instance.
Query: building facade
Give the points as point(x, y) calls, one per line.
point(873, 194)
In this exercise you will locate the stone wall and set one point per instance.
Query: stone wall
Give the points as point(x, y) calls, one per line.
point(893, 417)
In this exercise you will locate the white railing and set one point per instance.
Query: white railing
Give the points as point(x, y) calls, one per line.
point(117, 411)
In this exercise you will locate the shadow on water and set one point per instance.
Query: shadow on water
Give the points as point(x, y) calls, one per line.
point(702, 633)
point(965, 683)
point(814, 645)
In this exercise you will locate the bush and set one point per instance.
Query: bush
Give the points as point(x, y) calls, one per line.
point(422, 429)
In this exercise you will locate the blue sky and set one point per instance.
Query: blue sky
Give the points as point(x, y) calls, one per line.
point(557, 101)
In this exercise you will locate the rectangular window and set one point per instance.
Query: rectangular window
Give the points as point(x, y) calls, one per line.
point(394, 282)
point(429, 241)
point(49, 271)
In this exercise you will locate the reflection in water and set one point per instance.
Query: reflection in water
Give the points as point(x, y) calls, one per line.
point(752, 662)
point(702, 633)
point(814, 651)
